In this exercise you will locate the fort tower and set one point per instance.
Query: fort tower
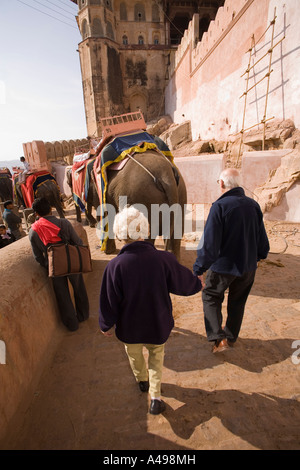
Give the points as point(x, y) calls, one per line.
point(125, 52)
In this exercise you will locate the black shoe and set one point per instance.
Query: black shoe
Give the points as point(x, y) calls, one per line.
point(156, 407)
point(144, 385)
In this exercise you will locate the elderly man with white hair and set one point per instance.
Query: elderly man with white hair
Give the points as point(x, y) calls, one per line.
point(135, 298)
point(234, 240)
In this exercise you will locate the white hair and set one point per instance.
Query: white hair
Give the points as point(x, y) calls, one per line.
point(230, 177)
point(131, 224)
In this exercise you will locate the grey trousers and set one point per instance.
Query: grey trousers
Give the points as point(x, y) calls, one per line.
point(71, 315)
point(213, 297)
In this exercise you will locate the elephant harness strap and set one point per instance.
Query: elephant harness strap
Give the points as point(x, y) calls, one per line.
point(156, 181)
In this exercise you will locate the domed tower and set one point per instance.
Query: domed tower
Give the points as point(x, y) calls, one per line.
point(125, 53)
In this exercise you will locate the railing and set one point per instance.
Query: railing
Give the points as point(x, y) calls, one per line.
point(123, 123)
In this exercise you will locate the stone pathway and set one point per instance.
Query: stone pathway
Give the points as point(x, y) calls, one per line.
point(246, 398)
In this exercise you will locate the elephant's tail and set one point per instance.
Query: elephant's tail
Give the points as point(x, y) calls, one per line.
point(170, 188)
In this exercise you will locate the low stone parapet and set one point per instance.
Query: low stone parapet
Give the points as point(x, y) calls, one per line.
point(200, 174)
point(256, 167)
point(30, 328)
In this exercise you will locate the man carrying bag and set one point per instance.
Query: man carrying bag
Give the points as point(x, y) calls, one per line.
point(50, 230)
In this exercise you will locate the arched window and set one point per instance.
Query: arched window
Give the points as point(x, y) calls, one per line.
point(84, 29)
point(97, 29)
point(141, 40)
point(123, 11)
point(155, 13)
point(156, 39)
point(125, 40)
point(109, 31)
point(108, 4)
point(139, 12)
point(82, 3)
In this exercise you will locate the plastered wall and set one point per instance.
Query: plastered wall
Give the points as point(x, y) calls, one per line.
point(206, 84)
point(30, 329)
point(28, 325)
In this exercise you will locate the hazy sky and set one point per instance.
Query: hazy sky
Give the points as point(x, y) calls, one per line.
point(40, 80)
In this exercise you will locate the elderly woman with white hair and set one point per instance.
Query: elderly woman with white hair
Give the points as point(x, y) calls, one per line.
point(135, 298)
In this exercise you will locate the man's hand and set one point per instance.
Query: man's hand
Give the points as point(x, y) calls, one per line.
point(107, 333)
point(202, 281)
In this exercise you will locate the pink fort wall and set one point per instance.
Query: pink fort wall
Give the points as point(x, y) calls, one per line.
point(205, 77)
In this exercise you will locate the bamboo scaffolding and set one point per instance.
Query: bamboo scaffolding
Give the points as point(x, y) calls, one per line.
point(250, 67)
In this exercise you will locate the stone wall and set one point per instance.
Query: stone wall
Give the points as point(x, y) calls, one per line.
point(54, 157)
point(40, 154)
point(28, 325)
point(206, 84)
point(200, 174)
point(279, 195)
point(257, 166)
point(272, 178)
point(29, 328)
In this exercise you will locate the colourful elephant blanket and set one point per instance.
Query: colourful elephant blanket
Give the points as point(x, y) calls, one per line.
point(31, 185)
point(81, 174)
point(116, 151)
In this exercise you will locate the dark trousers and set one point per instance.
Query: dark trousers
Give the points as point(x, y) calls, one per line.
point(70, 314)
point(213, 297)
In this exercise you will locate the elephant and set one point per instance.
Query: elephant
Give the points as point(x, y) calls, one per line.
point(6, 187)
point(164, 186)
point(49, 190)
point(92, 199)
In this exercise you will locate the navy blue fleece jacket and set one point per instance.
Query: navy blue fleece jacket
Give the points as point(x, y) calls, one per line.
point(234, 237)
point(135, 291)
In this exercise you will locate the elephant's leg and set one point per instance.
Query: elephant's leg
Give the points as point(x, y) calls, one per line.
point(89, 217)
point(19, 199)
point(173, 245)
point(110, 246)
point(78, 213)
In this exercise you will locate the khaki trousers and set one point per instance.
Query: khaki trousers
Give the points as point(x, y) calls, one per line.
point(155, 365)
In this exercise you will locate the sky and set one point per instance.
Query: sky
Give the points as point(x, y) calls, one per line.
point(41, 94)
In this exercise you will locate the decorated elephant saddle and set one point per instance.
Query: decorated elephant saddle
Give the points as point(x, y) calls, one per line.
point(32, 183)
point(116, 152)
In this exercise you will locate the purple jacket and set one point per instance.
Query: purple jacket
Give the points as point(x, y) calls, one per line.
point(135, 293)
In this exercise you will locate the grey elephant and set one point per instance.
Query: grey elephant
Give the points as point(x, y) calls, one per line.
point(49, 190)
point(151, 180)
point(6, 186)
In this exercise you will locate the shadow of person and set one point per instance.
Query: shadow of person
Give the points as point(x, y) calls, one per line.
point(280, 271)
point(264, 421)
point(188, 351)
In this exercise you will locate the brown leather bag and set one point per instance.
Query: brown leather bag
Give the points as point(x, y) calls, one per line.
point(65, 259)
